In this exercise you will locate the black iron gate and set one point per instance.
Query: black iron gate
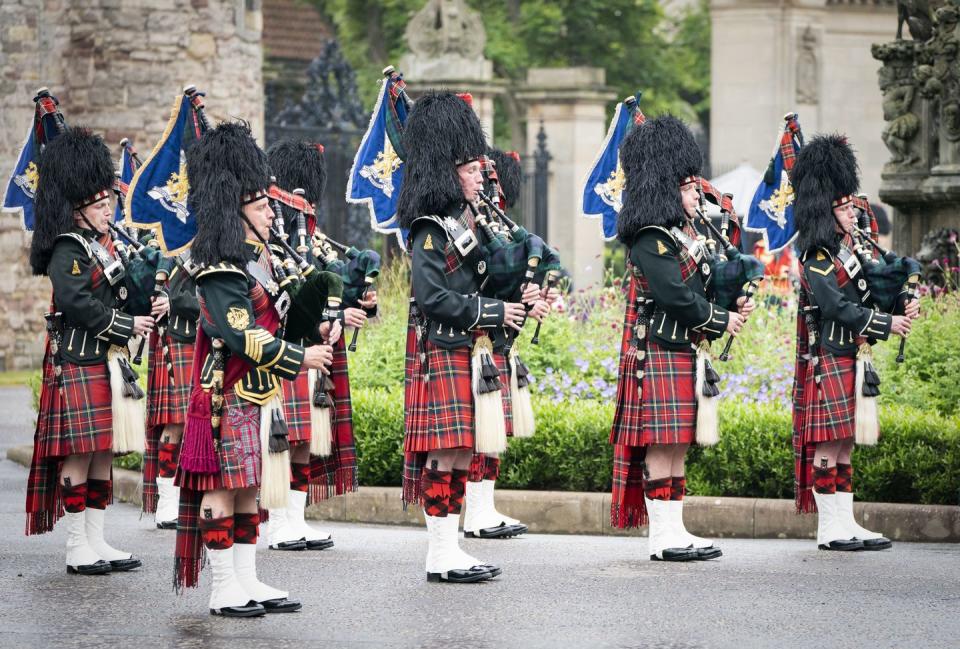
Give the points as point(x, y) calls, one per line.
point(328, 113)
point(536, 175)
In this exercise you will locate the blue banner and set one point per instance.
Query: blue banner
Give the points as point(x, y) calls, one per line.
point(126, 169)
point(771, 210)
point(377, 171)
point(603, 190)
point(22, 185)
point(157, 198)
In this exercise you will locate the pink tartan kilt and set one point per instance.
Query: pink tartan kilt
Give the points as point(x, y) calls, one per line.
point(239, 452)
point(296, 406)
point(77, 418)
point(667, 411)
point(439, 412)
point(166, 402)
point(832, 415)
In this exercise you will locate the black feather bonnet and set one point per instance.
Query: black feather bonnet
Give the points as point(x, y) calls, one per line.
point(73, 168)
point(656, 157)
point(441, 133)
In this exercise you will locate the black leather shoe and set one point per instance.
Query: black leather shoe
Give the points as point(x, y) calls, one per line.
point(460, 576)
point(705, 554)
point(167, 525)
point(882, 543)
point(519, 529)
point(320, 544)
point(843, 545)
point(282, 605)
point(499, 532)
point(251, 609)
point(101, 567)
point(123, 565)
point(299, 544)
point(676, 554)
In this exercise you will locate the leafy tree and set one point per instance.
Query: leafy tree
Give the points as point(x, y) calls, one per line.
point(639, 46)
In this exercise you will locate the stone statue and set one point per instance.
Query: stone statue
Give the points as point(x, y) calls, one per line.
point(898, 86)
point(942, 78)
point(808, 74)
point(446, 27)
point(916, 14)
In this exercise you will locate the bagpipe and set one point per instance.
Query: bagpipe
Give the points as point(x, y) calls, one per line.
point(357, 271)
point(515, 256)
point(734, 273)
point(888, 275)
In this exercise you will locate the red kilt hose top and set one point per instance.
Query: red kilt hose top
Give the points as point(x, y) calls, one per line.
point(447, 313)
point(656, 400)
point(167, 399)
point(824, 395)
point(75, 413)
point(237, 305)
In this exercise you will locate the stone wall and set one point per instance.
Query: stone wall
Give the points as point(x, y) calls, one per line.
point(116, 66)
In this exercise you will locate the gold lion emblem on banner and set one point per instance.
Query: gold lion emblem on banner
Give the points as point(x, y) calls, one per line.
point(611, 192)
point(238, 318)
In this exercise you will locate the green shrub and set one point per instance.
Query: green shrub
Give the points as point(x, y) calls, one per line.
point(917, 460)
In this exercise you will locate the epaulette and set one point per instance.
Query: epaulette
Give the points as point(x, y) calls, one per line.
point(428, 217)
point(820, 257)
point(663, 230)
point(79, 239)
point(222, 267)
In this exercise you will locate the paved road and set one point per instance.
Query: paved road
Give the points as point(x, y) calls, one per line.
point(556, 591)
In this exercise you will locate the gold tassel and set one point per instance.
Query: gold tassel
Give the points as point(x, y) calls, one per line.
point(129, 416)
point(489, 421)
point(321, 423)
point(708, 432)
point(867, 424)
point(275, 467)
point(524, 424)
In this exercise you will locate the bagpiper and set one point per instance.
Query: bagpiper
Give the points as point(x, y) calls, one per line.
point(840, 318)
point(449, 375)
point(235, 439)
point(90, 403)
point(323, 452)
point(481, 518)
point(666, 392)
point(168, 388)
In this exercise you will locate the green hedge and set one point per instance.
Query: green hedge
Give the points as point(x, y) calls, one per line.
point(917, 460)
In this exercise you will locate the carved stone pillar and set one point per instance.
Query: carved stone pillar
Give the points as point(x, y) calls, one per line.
point(571, 105)
point(446, 40)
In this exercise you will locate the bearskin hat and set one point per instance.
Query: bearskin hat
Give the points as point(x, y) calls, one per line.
point(74, 167)
point(441, 132)
point(297, 164)
point(655, 156)
point(224, 166)
point(509, 174)
point(826, 170)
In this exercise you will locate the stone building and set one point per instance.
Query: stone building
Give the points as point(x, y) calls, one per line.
point(770, 57)
point(116, 66)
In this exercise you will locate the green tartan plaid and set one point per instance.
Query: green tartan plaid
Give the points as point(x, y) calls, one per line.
point(507, 262)
point(730, 276)
point(887, 280)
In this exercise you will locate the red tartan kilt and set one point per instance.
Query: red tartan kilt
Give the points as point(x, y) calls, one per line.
point(439, 412)
point(166, 402)
point(667, 411)
point(296, 406)
point(78, 418)
point(834, 416)
point(503, 364)
point(342, 404)
point(239, 452)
